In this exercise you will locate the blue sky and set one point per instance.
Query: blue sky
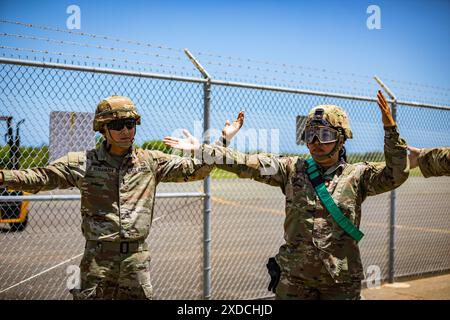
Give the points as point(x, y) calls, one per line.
point(411, 51)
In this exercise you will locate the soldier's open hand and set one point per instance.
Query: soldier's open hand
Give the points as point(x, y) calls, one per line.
point(230, 130)
point(413, 157)
point(386, 115)
point(190, 143)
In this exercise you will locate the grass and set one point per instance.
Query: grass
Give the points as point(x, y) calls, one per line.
point(222, 174)
point(415, 173)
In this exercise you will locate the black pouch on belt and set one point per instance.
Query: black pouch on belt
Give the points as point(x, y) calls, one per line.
point(275, 272)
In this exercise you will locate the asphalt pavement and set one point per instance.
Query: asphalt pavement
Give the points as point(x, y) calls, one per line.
point(246, 228)
point(435, 287)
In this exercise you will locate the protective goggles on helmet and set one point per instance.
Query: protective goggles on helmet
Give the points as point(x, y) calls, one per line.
point(324, 134)
point(118, 125)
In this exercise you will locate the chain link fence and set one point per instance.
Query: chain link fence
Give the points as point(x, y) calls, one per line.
point(423, 205)
point(247, 217)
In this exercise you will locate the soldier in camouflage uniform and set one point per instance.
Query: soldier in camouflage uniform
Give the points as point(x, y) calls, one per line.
point(319, 260)
point(118, 184)
point(432, 162)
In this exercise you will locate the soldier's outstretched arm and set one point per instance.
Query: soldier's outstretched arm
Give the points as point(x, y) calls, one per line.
point(265, 168)
point(388, 175)
point(260, 167)
point(63, 173)
point(432, 162)
point(172, 168)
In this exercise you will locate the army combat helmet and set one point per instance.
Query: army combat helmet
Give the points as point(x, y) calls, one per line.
point(114, 108)
point(329, 123)
point(330, 116)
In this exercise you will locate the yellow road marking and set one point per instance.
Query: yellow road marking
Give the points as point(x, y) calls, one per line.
point(247, 206)
point(399, 226)
point(282, 213)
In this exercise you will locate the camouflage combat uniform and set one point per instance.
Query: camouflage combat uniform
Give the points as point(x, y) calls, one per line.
point(319, 260)
point(434, 162)
point(117, 199)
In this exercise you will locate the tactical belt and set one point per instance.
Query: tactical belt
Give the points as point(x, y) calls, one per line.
point(317, 181)
point(123, 247)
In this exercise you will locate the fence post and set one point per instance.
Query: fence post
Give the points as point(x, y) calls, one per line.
point(206, 181)
point(393, 196)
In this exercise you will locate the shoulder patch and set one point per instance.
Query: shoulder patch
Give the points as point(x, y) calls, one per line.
point(145, 155)
point(352, 167)
point(75, 158)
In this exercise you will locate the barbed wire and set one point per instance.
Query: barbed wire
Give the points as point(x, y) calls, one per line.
point(78, 62)
point(265, 80)
point(282, 65)
point(57, 41)
point(407, 85)
point(329, 87)
point(270, 67)
point(268, 81)
point(258, 69)
point(169, 48)
point(322, 70)
point(95, 36)
point(73, 55)
point(406, 91)
point(227, 76)
point(273, 80)
point(351, 82)
point(88, 45)
point(156, 55)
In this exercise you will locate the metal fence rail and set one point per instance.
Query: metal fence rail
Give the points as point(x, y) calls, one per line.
point(245, 218)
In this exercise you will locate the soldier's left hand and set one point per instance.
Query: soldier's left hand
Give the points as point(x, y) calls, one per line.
point(413, 157)
point(190, 143)
point(386, 115)
point(230, 130)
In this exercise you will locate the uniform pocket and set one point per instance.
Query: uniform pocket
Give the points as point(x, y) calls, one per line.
point(135, 277)
point(301, 193)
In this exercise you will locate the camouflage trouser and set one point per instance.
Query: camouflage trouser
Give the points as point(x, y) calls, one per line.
point(323, 288)
point(114, 275)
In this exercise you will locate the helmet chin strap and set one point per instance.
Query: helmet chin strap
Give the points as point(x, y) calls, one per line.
point(330, 154)
point(110, 140)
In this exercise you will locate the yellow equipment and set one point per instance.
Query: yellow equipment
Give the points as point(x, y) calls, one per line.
point(14, 213)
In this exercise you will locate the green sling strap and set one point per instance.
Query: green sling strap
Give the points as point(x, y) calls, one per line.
point(316, 179)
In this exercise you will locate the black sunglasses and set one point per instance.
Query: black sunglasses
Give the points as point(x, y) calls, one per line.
point(120, 124)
